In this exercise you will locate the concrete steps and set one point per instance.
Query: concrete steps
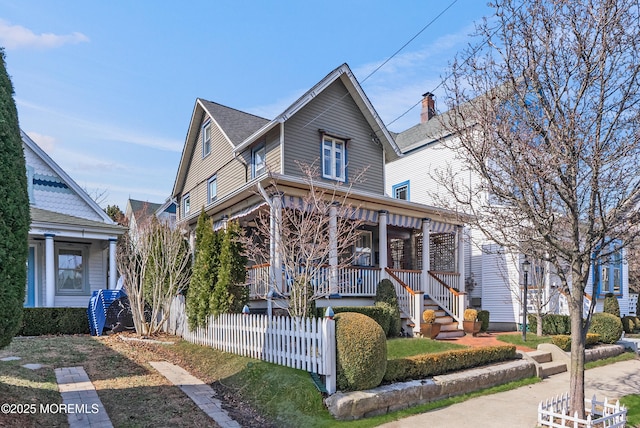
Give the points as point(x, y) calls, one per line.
point(545, 365)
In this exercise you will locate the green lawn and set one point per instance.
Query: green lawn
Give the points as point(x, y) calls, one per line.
point(632, 402)
point(406, 347)
point(532, 339)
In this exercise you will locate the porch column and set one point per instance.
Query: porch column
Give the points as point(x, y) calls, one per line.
point(225, 222)
point(276, 261)
point(460, 233)
point(382, 245)
point(426, 260)
point(112, 264)
point(333, 250)
point(50, 267)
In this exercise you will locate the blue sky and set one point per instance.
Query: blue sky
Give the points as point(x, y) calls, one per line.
point(107, 88)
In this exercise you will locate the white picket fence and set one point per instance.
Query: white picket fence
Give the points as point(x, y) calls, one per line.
point(555, 413)
point(305, 344)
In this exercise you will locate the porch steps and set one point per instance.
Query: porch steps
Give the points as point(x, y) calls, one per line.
point(448, 326)
point(545, 365)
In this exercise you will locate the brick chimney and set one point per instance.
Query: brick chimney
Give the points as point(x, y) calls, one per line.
point(428, 107)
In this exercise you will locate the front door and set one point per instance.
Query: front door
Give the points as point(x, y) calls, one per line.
point(30, 298)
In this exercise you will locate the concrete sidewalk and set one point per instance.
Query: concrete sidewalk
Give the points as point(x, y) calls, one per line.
point(519, 407)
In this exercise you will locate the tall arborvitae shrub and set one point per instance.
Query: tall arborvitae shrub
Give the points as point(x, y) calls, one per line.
point(14, 213)
point(205, 272)
point(230, 293)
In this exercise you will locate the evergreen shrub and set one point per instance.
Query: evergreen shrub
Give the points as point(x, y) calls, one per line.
point(483, 316)
point(386, 293)
point(608, 326)
point(42, 321)
point(611, 305)
point(379, 314)
point(552, 324)
point(628, 324)
point(361, 352)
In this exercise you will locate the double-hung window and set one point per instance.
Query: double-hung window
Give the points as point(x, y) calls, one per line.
point(334, 158)
point(609, 271)
point(72, 271)
point(401, 191)
point(212, 189)
point(206, 139)
point(186, 205)
point(258, 161)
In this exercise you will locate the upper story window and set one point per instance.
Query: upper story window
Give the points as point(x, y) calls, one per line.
point(186, 205)
point(206, 139)
point(334, 158)
point(258, 161)
point(609, 272)
point(212, 189)
point(72, 271)
point(401, 191)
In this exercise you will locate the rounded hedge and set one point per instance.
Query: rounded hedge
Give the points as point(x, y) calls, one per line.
point(361, 352)
point(483, 317)
point(608, 326)
point(628, 324)
point(386, 293)
point(611, 305)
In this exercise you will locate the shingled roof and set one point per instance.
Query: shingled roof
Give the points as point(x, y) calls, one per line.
point(238, 125)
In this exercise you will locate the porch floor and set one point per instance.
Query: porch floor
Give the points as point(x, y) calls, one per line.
point(485, 339)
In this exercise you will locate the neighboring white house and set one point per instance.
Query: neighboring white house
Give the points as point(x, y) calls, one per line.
point(72, 241)
point(495, 277)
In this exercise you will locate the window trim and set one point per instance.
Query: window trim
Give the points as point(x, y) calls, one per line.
point(334, 142)
point(186, 199)
point(84, 253)
point(212, 179)
point(205, 126)
point(357, 254)
point(259, 147)
point(614, 247)
point(399, 186)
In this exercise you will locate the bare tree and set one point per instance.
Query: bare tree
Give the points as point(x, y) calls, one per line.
point(305, 244)
point(156, 266)
point(544, 112)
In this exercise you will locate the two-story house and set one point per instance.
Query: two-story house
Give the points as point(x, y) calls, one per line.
point(72, 241)
point(495, 275)
point(231, 159)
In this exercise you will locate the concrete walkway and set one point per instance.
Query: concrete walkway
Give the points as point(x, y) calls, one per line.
point(83, 406)
point(201, 393)
point(518, 408)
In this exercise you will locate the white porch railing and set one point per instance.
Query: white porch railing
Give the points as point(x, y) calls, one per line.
point(563, 304)
point(442, 291)
point(352, 281)
point(411, 278)
point(305, 344)
point(633, 304)
point(555, 413)
point(411, 302)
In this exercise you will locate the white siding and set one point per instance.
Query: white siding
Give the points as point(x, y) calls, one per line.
point(498, 285)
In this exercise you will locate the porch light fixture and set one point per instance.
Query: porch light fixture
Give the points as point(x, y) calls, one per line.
point(525, 269)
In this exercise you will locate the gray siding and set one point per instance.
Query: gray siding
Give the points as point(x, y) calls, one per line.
point(337, 114)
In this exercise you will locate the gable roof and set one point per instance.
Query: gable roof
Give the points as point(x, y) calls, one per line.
point(27, 141)
point(345, 74)
point(241, 129)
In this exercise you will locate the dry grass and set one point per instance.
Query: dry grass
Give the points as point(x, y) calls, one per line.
point(132, 392)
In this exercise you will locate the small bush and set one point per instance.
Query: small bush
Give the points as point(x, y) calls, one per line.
point(429, 316)
point(611, 305)
point(608, 326)
point(386, 292)
point(563, 341)
point(426, 365)
point(361, 352)
point(636, 321)
point(483, 316)
point(628, 324)
point(41, 321)
point(552, 324)
point(470, 315)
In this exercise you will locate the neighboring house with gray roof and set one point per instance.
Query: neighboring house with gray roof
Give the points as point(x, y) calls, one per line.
point(72, 241)
point(137, 212)
point(231, 160)
point(495, 275)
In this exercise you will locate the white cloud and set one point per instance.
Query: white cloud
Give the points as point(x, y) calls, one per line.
point(104, 131)
point(46, 142)
point(17, 36)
